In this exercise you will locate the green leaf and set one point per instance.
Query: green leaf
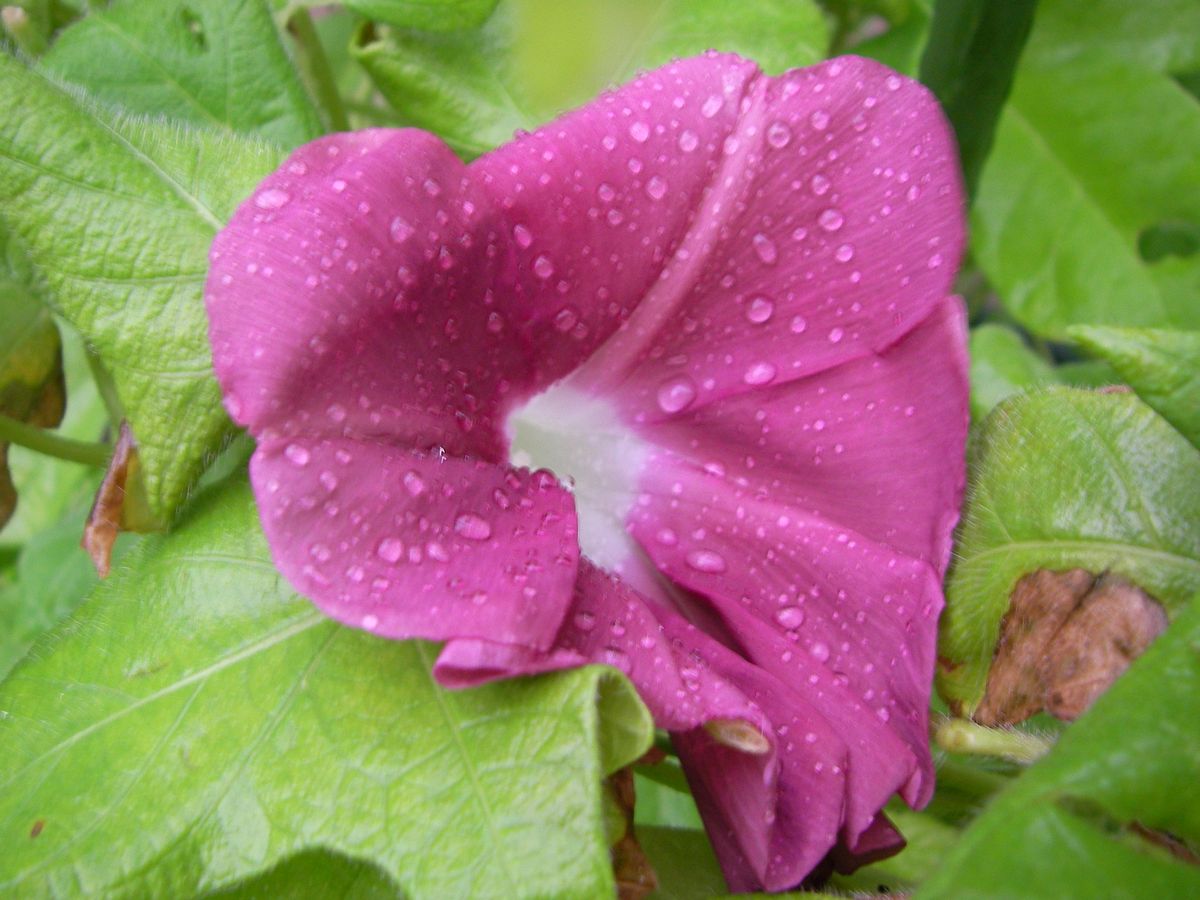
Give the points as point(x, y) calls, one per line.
point(968, 62)
point(53, 575)
point(1067, 827)
point(430, 15)
point(117, 215)
point(535, 58)
point(216, 64)
point(1098, 148)
point(903, 44)
point(1002, 364)
point(459, 86)
point(31, 376)
point(1060, 479)
point(194, 675)
point(777, 34)
point(314, 875)
point(684, 862)
point(1162, 366)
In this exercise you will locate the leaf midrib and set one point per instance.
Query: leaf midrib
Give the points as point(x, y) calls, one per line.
point(1083, 545)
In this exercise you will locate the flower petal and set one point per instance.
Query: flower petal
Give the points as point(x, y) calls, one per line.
point(598, 200)
point(352, 294)
point(766, 228)
point(824, 564)
point(410, 544)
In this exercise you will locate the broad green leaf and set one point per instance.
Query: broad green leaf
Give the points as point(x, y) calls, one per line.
point(903, 44)
point(968, 62)
point(1074, 825)
point(459, 86)
point(194, 676)
point(53, 575)
point(31, 377)
point(220, 65)
point(1162, 366)
point(314, 875)
point(1002, 364)
point(1060, 479)
point(535, 58)
point(1098, 149)
point(117, 215)
point(428, 15)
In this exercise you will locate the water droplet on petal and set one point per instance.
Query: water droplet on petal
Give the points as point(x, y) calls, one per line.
point(390, 549)
point(676, 394)
point(656, 187)
point(271, 198)
point(819, 184)
point(760, 309)
point(790, 617)
point(585, 621)
point(712, 106)
point(831, 220)
point(819, 651)
point(708, 561)
point(779, 135)
point(472, 527)
point(639, 131)
point(400, 230)
point(765, 248)
point(414, 483)
point(844, 253)
point(522, 235)
point(688, 141)
point(370, 623)
point(819, 120)
point(799, 324)
point(759, 373)
point(835, 335)
point(543, 268)
point(296, 454)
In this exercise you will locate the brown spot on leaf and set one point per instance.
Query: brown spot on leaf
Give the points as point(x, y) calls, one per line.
point(1066, 637)
point(634, 875)
point(37, 828)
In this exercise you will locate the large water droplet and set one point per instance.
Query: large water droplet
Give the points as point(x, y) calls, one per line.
point(656, 187)
point(844, 253)
point(522, 235)
point(779, 135)
point(472, 527)
point(676, 394)
point(708, 561)
point(296, 454)
point(639, 131)
point(790, 617)
point(819, 184)
point(390, 549)
point(819, 120)
point(760, 309)
point(271, 198)
point(688, 141)
point(543, 268)
point(831, 220)
point(759, 373)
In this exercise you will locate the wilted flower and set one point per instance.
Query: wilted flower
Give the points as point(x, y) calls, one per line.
point(715, 305)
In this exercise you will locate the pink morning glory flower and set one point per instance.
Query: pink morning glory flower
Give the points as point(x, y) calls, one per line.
point(674, 383)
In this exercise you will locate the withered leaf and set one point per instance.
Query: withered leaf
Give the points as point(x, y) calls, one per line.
point(631, 867)
point(120, 503)
point(32, 389)
point(1066, 638)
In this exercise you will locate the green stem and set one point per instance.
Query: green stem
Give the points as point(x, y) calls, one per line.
point(316, 64)
point(50, 444)
point(965, 736)
point(107, 389)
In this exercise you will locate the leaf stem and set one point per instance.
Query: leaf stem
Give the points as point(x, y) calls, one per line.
point(316, 65)
point(106, 387)
point(50, 444)
point(965, 736)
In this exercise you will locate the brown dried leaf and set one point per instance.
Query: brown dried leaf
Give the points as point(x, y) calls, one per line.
point(120, 504)
point(1066, 637)
point(631, 867)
